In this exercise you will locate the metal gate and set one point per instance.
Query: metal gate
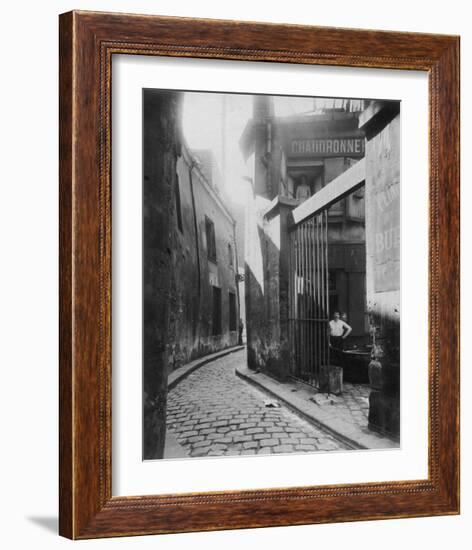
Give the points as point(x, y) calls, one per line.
point(309, 300)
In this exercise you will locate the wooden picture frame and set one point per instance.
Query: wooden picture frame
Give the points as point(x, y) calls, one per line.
point(88, 41)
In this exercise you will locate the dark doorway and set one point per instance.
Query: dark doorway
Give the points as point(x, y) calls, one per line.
point(216, 325)
point(232, 311)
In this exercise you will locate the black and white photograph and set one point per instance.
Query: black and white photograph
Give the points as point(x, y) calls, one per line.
point(231, 283)
point(279, 329)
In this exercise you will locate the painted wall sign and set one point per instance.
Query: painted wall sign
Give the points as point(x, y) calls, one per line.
point(387, 238)
point(345, 146)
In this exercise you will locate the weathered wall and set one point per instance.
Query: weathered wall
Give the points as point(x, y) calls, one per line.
point(285, 208)
point(254, 282)
point(383, 264)
point(266, 284)
point(192, 305)
point(160, 151)
point(267, 245)
point(270, 349)
point(177, 273)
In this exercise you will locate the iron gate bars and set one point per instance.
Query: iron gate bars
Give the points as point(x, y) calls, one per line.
point(309, 301)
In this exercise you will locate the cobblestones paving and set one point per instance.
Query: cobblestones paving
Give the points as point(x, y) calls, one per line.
point(355, 400)
point(213, 413)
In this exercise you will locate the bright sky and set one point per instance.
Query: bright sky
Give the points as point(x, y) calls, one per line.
point(203, 127)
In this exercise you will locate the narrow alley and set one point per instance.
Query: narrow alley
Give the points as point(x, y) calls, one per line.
point(280, 233)
point(212, 412)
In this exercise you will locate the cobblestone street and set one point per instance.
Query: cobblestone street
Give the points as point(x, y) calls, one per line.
point(212, 412)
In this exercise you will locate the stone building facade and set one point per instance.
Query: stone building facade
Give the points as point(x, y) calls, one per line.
point(190, 294)
point(293, 158)
point(381, 123)
point(205, 310)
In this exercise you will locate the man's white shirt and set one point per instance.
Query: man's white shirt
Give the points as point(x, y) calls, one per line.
point(337, 327)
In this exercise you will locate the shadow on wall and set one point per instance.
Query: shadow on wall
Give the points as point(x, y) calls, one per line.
point(267, 337)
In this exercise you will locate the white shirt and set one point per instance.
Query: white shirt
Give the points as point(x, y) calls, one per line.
point(337, 327)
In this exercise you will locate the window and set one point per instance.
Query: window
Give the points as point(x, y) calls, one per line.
point(216, 325)
point(232, 311)
point(230, 255)
point(178, 207)
point(210, 239)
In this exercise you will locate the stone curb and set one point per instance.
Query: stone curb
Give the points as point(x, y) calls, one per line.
point(336, 427)
point(178, 375)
